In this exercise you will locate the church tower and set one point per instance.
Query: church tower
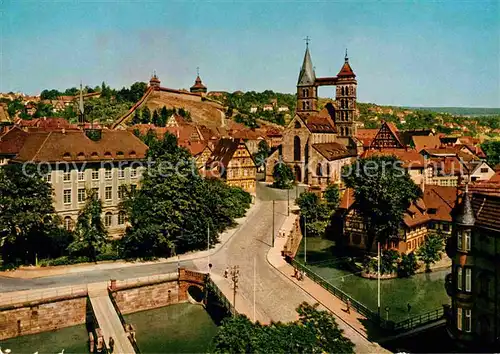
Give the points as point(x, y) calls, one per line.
point(345, 118)
point(307, 92)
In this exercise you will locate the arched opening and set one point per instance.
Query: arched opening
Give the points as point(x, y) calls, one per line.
point(298, 173)
point(68, 223)
point(195, 293)
point(296, 148)
point(319, 170)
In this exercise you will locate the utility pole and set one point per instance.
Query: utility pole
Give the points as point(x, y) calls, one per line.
point(208, 248)
point(305, 240)
point(288, 195)
point(378, 280)
point(273, 225)
point(235, 274)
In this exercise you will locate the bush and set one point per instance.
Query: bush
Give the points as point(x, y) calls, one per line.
point(408, 265)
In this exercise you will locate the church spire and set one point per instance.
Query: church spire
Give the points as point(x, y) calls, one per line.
point(307, 77)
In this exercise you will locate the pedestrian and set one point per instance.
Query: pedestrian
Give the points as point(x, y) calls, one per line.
point(295, 273)
point(111, 344)
point(226, 272)
point(409, 308)
point(348, 303)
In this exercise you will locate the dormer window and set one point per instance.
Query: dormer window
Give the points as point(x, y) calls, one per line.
point(132, 153)
point(67, 156)
point(119, 154)
point(94, 155)
point(107, 154)
point(80, 156)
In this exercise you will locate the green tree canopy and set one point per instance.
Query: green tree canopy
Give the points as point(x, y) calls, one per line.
point(314, 213)
point(27, 216)
point(90, 233)
point(430, 251)
point(492, 150)
point(332, 196)
point(383, 190)
point(283, 176)
point(314, 332)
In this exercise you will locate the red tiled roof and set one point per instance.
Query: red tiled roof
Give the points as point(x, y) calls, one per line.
point(410, 158)
point(346, 71)
point(333, 151)
point(321, 122)
point(223, 153)
point(426, 142)
point(12, 141)
point(56, 146)
point(487, 211)
point(198, 84)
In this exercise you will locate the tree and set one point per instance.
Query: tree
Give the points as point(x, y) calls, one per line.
point(314, 213)
point(283, 176)
point(27, 215)
point(50, 95)
point(332, 196)
point(175, 208)
point(262, 153)
point(383, 191)
point(408, 265)
point(314, 332)
point(146, 116)
point(389, 261)
point(492, 150)
point(137, 117)
point(430, 251)
point(164, 116)
point(90, 233)
point(156, 118)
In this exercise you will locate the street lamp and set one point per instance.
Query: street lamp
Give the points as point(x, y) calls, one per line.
point(235, 274)
point(305, 240)
point(273, 225)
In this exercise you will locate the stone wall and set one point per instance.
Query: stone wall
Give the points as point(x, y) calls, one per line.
point(42, 315)
point(146, 297)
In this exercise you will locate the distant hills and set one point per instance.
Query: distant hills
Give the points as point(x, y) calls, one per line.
point(460, 111)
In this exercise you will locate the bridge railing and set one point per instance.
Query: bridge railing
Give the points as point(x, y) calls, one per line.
point(419, 320)
point(146, 280)
point(11, 298)
point(400, 326)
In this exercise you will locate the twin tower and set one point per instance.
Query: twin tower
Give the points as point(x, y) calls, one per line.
point(345, 94)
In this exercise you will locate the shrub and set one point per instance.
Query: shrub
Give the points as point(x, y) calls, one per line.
point(408, 265)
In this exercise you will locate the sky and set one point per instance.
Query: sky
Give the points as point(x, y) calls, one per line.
point(411, 53)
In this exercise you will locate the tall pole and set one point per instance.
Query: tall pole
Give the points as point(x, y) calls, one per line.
point(305, 240)
point(208, 248)
point(288, 195)
point(254, 280)
point(273, 226)
point(378, 279)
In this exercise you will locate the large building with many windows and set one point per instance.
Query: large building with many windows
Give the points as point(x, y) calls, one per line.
point(473, 319)
point(103, 160)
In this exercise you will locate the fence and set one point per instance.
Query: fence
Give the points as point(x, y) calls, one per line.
point(401, 326)
point(17, 297)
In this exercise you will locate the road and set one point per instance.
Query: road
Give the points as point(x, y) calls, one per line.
point(99, 275)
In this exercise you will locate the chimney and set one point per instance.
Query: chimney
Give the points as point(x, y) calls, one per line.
point(63, 131)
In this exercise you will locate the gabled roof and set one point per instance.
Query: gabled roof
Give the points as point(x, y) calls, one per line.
point(320, 122)
point(307, 77)
point(223, 153)
point(366, 136)
point(426, 142)
point(406, 136)
point(393, 131)
point(410, 158)
point(333, 151)
point(62, 145)
point(487, 211)
point(12, 141)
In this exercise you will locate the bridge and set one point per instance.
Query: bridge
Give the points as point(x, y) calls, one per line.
point(108, 319)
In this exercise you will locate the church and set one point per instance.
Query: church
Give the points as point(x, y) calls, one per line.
point(318, 143)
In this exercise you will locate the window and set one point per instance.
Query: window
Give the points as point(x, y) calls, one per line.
point(121, 172)
point(133, 187)
point(96, 192)
point(459, 318)
point(67, 176)
point(296, 148)
point(459, 278)
point(484, 169)
point(121, 192)
point(81, 195)
point(67, 196)
point(108, 193)
point(133, 172)
point(81, 175)
point(48, 178)
point(459, 240)
point(121, 218)
point(319, 170)
point(68, 223)
point(467, 239)
point(108, 218)
point(107, 173)
point(468, 320)
point(468, 279)
point(95, 174)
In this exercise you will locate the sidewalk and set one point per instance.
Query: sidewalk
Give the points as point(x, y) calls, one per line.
point(353, 319)
point(39, 272)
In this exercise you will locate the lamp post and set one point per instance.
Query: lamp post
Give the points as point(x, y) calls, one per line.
point(235, 274)
point(273, 225)
point(378, 279)
point(288, 201)
point(305, 240)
